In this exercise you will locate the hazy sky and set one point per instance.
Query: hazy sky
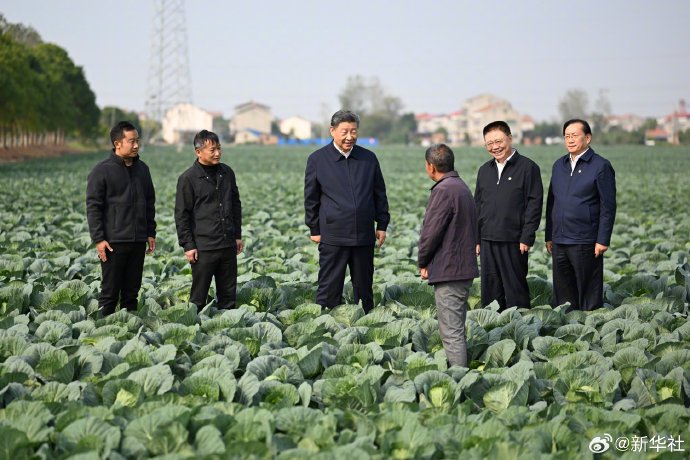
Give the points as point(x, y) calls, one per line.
point(296, 56)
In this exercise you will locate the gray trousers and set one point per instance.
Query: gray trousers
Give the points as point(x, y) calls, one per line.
point(451, 306)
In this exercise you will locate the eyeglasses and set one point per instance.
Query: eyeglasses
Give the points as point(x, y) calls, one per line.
point(567, 137)
point(497, 143)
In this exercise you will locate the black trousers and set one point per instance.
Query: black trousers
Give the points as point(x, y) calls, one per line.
point(332, 263)
point(504, 274)
point(121, 277)
point(220, 264)
point(578, 276)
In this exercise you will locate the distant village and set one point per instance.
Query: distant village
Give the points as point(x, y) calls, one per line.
point(254, 123)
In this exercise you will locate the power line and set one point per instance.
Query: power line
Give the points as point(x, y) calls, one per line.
point(169, 81)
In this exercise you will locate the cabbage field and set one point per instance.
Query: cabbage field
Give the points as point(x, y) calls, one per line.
point(278, 378)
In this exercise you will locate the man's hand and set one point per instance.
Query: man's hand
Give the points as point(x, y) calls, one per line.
point(549, 246)
point(316, 238)
point(192, 255)
point(380, 237)
point(152, 245)
point(599, 249)
point(424, 272)
point(100, 248)
point(524, 249)
point(240, 246)
point(478, 250)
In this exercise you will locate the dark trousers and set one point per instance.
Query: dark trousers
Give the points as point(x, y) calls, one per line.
point(504, 274)
point(332, 263)
point(121, 276)
point(578, 276)
point(220, 264)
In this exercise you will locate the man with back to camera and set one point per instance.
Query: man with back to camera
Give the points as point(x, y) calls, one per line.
point(121, 211)
point(208, 218)
point(446, 255)
point(508, 196)
point(580, 211)
point(346, 210)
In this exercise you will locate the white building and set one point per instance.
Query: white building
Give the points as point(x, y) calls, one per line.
point(296, 127)
point(183, 121)
point(251, 116)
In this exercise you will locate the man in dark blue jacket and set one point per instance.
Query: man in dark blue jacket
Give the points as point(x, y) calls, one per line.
point(121, 211)
point(446, 254)
point(208, 218)
point(580, 211)
point(344, 197)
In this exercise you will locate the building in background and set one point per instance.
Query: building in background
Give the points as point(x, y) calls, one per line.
point(464, 127)
point(675, 123)
point(627, 122)
point(183, 121)
point(251, 123)
point(485, 108)
point(296, 128)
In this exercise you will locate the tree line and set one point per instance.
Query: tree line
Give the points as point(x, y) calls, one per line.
point(575, 104)
point(44, 96)
point(379, 112)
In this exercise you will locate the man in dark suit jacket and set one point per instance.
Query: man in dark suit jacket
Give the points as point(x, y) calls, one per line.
point(344, 197)
point(508, 197)
point(580, 211)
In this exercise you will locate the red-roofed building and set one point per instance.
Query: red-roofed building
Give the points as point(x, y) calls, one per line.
point(676, 122)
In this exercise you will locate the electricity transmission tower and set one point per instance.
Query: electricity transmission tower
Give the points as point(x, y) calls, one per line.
point(169, 81)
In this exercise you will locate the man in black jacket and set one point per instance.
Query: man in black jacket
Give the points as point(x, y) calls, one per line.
point(508, 196)
point(344, 196)
point(446, 255)
point(208, 217)
point(121, 210)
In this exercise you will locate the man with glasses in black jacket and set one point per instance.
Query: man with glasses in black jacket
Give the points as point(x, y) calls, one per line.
point(508, 196)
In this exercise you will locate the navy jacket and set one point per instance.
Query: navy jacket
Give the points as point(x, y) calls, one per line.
point(208, 211)
point(509, 209)
point(581, 206)
point(343, 197)
point(120, 201)
point(448, 236)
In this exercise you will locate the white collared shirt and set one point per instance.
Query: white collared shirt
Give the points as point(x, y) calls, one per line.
point(573, 161)
point(500, 166)
point(345, 154)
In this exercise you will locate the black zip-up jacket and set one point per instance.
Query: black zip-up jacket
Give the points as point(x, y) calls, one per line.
point(509, 209)
point(208, 211)
point(343, 197)
point(120, 201)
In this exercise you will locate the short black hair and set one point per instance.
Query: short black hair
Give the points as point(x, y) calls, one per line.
point(499, 125)
point(441, 156)
point(585, 126)
point(344, 116)
point(117, 133)
point(204, 136)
